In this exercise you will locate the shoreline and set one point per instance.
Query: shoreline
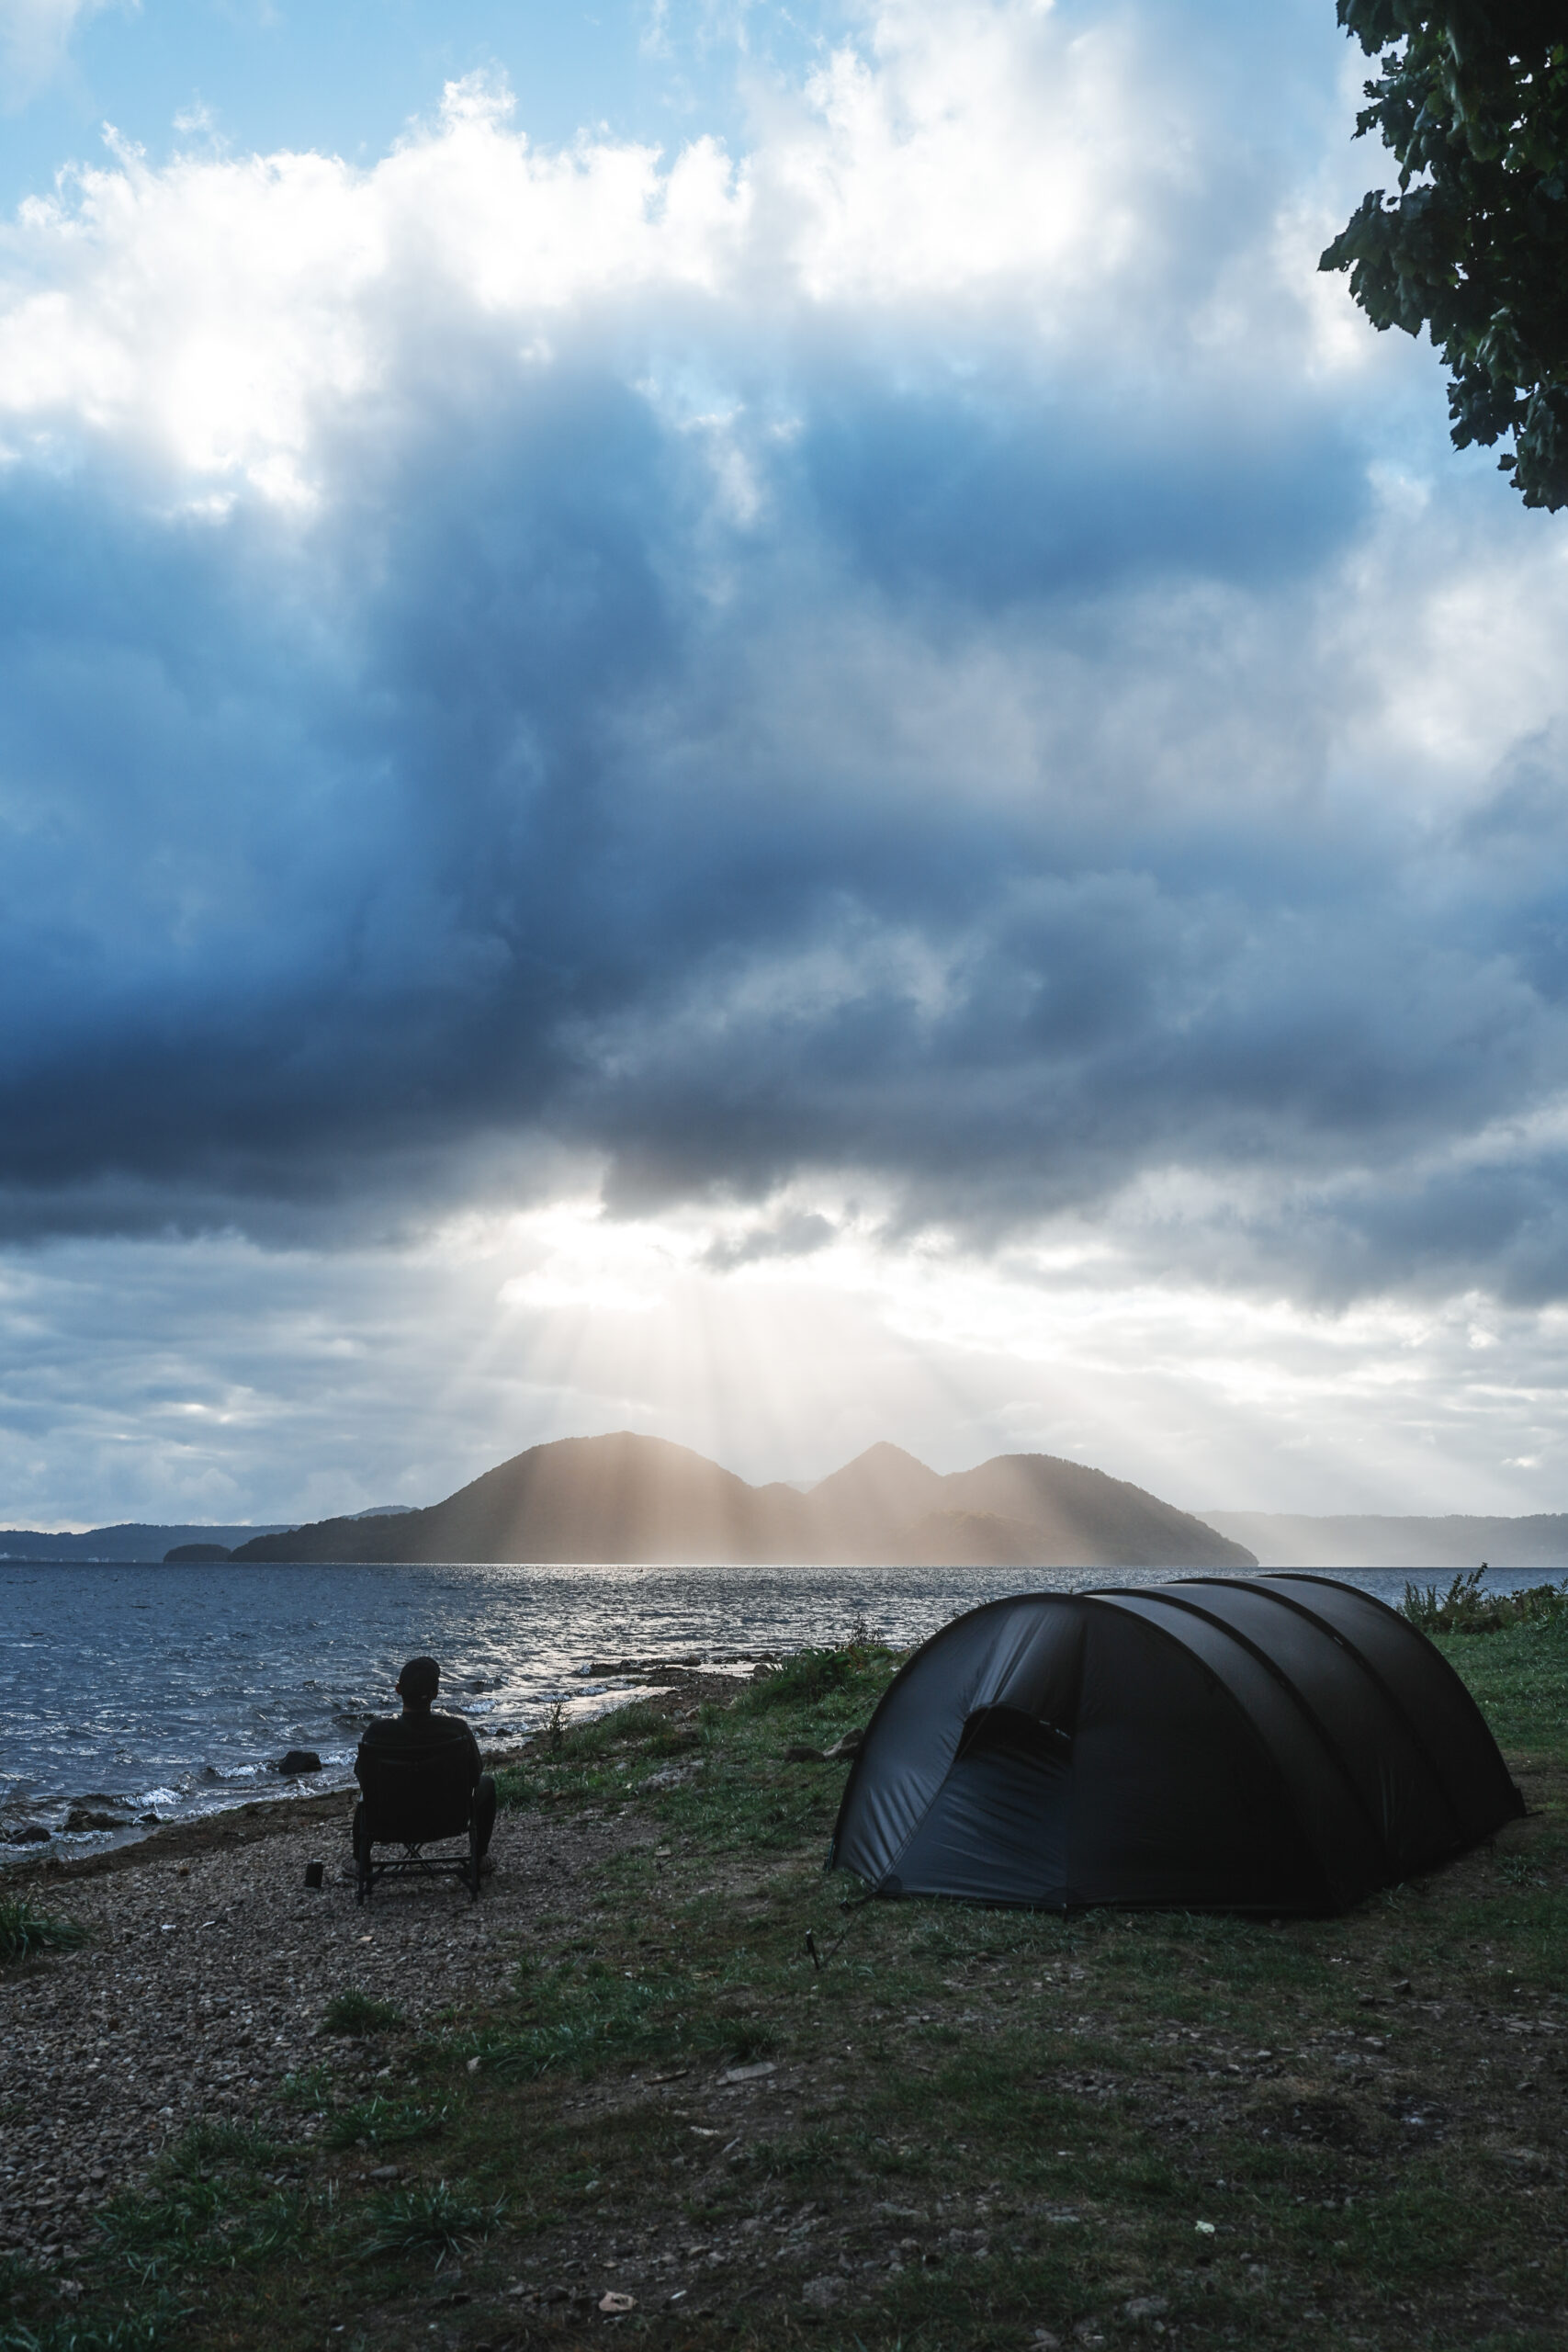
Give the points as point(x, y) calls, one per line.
point(200, 1993)
point(656, 2070)
point(639, 1679)
point(252, 1818)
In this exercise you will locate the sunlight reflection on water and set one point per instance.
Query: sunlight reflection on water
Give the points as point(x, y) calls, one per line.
point(173, 1689)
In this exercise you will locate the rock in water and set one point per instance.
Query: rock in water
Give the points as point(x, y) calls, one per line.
point(299, 1760)
point(83, 1816)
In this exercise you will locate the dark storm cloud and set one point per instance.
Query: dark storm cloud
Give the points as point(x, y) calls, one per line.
point(871, 765)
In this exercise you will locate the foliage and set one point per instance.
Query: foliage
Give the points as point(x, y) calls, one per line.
point(1473, 99)
point(139, 2331)
point(814, 1673)
point(580, 2019)
point(24, 1930)
point(440, 2220)
point(384, 2123)
point(1465, 1609)
point(356, 2012)
point(215, 2198)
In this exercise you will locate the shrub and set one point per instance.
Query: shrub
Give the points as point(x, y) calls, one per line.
point(1465, 1609)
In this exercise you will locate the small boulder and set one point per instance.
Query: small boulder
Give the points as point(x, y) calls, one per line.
point(28, 1833)
point(81, 1816)
point(298, 1761)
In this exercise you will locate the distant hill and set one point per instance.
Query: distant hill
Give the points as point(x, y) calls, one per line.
point(133, 1540)
point(1377, 1540)
point(627, 1497)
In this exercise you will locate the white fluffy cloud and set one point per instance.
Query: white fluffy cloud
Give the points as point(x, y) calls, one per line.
point(985, 167)
point(927, 660)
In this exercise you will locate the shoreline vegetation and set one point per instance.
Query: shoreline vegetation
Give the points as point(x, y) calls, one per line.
point(620, 2095)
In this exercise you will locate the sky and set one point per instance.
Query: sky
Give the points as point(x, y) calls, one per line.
point(761, 724)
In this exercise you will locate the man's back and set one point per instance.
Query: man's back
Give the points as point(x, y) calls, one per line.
point(416, 1738)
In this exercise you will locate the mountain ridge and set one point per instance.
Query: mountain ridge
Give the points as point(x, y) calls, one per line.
point(129, 1543)
point(626, 1498)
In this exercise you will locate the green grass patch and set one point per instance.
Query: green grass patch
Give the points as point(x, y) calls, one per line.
point(861, 1668)
point(215, 2199)
point(354, 2012)
point(440, 2220)
point(145, 2329)
point(25, 1932)
point(1519, 1678)
point(385, 2123)
point(586, 2016)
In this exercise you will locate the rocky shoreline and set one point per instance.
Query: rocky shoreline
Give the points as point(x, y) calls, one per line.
point(24, 1839)
point(202, 1986)
point(209, 1964)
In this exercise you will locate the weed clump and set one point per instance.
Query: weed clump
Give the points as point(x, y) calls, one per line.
point(422, 2221)
point(385, 2123)
point(356, 2012)
point(814, 1674)
point(1465, 1609)
point(24, 1931)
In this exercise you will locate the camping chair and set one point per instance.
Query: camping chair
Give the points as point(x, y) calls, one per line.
point(415, 1802)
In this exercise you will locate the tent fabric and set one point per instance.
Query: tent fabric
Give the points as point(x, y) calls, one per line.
point(1283, 1742)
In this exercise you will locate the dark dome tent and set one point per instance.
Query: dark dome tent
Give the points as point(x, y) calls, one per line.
point(1279, 1743)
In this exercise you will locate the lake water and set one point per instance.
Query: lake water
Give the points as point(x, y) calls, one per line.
point(173, 1690)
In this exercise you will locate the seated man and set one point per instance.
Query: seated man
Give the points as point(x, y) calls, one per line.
point(419, 1734)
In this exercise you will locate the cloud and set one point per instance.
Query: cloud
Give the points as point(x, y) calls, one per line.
point(797, 1235)
point(919, 654)
point(35, 35)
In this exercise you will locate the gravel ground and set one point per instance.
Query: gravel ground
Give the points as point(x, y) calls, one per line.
point(203, 1983)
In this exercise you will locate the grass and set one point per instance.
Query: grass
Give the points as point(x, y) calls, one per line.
point(384, 2123)
point(25, 1931)
point(439, 2220)
point(977, 2125)
point(354, 2012)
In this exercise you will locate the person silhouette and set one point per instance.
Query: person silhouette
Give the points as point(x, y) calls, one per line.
point(421, 1734)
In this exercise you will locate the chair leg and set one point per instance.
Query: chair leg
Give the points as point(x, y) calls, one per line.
point(361, 1856)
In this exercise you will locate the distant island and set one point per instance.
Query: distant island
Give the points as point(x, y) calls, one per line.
point(629, 1497)
point(1385, 1540)
point(131, 1543)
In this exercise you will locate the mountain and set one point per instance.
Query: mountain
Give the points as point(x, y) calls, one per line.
point(1377, 1540)
point(627, 1497)
point(1080, 1514)
point(133, 1540)
point(857, 1507)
